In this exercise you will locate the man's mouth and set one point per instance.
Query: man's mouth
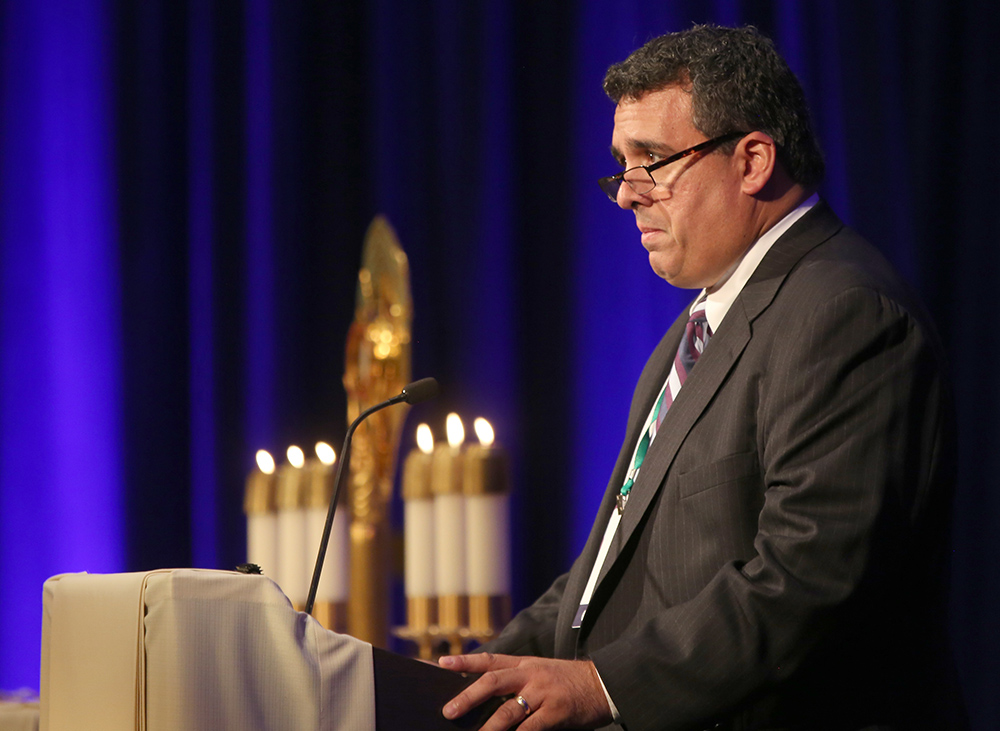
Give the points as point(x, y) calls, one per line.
point(647, 233)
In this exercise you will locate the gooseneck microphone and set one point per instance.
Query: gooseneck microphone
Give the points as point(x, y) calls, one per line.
point(417, 392)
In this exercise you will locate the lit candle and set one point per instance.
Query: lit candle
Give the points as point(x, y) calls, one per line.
point(418, 531)
point(331, 594)
point(449, 526)
point(487, 529)
point(294, 568)
point(260, 506)
point(334, 579)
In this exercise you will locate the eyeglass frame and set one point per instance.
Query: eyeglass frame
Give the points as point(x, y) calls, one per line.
point(618, 179)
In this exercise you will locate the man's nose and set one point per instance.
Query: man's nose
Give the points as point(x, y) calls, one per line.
point(628, 198)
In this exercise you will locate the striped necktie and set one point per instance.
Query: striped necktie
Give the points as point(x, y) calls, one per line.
point(696, 336)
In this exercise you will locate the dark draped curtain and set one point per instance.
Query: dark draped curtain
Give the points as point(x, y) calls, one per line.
point(184, 189)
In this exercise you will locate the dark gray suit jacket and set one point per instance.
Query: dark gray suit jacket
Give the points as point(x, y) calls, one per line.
point(781, 562)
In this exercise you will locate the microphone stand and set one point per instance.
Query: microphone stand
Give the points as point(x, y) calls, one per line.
point(422, 390)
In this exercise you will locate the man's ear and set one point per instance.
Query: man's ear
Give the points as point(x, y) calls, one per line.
point(757, 155)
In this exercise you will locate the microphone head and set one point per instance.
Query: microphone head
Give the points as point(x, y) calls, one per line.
point(419, 391)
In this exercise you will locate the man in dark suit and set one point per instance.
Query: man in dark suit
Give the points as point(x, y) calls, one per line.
point(771, 550)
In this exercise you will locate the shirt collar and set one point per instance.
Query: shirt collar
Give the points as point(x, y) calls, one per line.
point(718, 302)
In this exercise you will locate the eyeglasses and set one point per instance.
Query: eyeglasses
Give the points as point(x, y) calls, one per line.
point(640, 178)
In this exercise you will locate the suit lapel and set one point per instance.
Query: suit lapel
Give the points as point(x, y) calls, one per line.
point(705, 379)
point(653, 376)
point(719, 358)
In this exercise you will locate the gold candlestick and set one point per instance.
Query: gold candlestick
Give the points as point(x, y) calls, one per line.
point(377, 367)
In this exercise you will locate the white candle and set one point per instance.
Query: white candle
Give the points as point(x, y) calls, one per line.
point(486, 485)
point(418, 518)
point(333, 581)
point(294, 570)
point(262, 521)
point(449, 512)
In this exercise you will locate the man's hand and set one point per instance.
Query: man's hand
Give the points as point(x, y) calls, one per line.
point(554, 693)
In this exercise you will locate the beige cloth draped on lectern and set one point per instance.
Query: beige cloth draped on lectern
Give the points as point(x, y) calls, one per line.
point(190, 649)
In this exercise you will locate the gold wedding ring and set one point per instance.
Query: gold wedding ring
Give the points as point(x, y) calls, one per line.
point(524, 704)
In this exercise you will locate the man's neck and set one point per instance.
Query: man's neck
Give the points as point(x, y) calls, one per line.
point(774, 207)
point(724, 292)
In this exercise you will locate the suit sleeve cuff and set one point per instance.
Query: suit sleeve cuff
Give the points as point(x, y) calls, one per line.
point(615, 716)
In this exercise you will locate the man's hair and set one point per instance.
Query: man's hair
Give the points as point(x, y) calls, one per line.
point(738, 83)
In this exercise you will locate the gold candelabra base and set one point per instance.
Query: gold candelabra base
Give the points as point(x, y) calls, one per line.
point(452, 623)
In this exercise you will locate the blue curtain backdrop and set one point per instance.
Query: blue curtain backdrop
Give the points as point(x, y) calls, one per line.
point(184, 188)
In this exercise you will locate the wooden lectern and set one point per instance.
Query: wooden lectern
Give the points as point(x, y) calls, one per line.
point(194, 649)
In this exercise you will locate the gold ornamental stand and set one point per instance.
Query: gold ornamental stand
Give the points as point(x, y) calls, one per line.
point(378, 367)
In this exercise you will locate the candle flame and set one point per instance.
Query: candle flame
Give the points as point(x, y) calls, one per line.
point(325, 453)
point(484, 431)
point(265, 462)
point(425, 439)
point(296, 457)
point(456, 432)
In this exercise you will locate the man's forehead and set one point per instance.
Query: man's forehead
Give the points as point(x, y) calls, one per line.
point(657, 122)
point(670, 102)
